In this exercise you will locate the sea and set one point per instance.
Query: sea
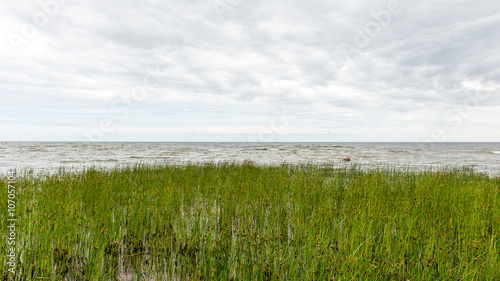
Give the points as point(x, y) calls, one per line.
point(51, 157)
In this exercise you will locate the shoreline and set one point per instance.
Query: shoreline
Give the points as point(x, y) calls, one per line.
point(340, 164)
point(49, 157)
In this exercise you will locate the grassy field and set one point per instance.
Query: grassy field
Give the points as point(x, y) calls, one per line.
point(248, 222)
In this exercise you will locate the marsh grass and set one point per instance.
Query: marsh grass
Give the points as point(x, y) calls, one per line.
point(250, 222)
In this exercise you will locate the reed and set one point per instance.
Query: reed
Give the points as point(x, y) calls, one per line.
point(221, 221)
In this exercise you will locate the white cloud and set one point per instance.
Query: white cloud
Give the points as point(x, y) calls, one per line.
point(224, 76)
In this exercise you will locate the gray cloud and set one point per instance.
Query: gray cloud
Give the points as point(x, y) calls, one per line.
point(238, 65)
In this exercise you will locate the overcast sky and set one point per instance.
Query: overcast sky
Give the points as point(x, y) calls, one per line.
point(250, 70)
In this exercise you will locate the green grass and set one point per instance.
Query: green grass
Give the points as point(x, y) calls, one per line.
point(248, 222)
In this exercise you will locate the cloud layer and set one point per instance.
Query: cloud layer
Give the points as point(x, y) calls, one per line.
point(240, 70)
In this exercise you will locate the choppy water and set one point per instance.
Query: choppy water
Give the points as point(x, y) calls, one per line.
point(49, 157)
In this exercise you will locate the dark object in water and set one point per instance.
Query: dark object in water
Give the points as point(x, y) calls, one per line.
point(347, 159)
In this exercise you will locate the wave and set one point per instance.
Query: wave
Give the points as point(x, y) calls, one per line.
point(397, 151)
point(70, 161)
point(52, 145)
point(495, 152)
point(106, 160)
point(328, 146)
point(370, 151)
point(37, 150)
